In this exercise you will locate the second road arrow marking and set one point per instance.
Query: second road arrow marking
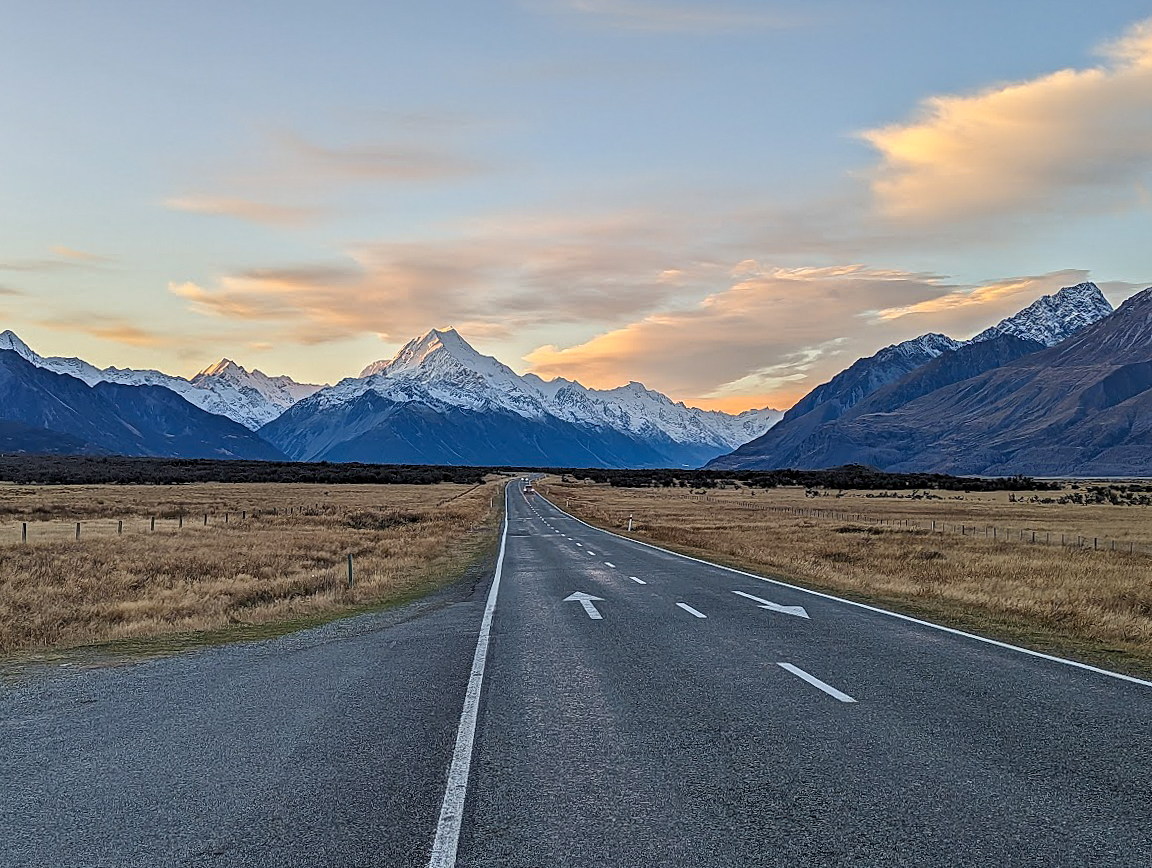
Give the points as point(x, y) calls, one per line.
point(798, 611)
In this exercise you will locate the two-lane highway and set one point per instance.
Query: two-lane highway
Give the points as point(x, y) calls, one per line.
point(592, 701)
point(641, 708)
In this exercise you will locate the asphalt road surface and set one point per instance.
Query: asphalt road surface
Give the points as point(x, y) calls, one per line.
point(602, 704)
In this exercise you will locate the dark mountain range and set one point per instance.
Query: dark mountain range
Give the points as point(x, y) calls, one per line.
point(793, 441)
point(373, 428)
point(57, 413)
point(1082, 407)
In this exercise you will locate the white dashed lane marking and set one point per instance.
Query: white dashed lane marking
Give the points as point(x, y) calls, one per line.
point(692, 611)
point(815, 682)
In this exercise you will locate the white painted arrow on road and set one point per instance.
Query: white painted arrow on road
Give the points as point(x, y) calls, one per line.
point(798, 611)
point(585, 600)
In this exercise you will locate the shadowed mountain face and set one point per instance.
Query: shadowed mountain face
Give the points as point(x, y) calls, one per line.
point(375, 429)
point(49, 412)
point(813, 433)
point(1082, 407)
point(831, 400)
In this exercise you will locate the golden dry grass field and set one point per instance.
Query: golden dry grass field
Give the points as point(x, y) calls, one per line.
point(1095, 605)
point(269, 553)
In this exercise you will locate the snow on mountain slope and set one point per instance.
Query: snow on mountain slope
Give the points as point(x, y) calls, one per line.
point(441, 368)
point(1053, 318)
point(249, 397)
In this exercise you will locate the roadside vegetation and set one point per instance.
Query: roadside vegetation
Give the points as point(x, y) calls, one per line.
point(224, 558)
point(880, 547)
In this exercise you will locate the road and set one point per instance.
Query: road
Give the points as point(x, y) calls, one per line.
point(627, 707)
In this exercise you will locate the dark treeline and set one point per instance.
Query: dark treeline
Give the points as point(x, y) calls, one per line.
point(94, 470)
point(102, 470)
point(849, 477)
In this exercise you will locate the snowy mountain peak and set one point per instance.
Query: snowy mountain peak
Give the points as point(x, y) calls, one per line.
point(224, 366)
point(10, 341)
point(1052, 318)
point(225, 388)
point(440, 369)
point(433, 343)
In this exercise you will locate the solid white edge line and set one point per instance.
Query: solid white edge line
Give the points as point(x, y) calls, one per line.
point(1085, 666)
point(692, 611)
point(816, 682)
point(456, 790)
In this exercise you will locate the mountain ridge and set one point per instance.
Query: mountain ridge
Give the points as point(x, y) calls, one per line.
point(1046, 322)
point(251, 398)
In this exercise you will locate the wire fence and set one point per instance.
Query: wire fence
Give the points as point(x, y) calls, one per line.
point(51, 530)
point(996, 533)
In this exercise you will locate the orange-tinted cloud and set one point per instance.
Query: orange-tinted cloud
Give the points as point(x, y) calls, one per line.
point(777, 333)
point(767, 336)
point(1025, 146)
point(496, 279)
point(81, 255)
point(245, 209)
point(112, 328)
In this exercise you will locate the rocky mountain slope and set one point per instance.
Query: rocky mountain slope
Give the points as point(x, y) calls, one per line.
point(792, 443)
point(43, 411)
point(249, 397)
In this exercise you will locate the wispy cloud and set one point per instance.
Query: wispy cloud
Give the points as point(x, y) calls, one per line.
point(269, 186)
point(245, 209)
point(62, 258)
point(1024, 147)
point(494, 279)
point(651, 15)
point(112, 328)
point(408, 161)
point(82, 256)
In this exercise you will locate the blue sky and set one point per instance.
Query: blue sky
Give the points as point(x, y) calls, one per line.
point(727, 201)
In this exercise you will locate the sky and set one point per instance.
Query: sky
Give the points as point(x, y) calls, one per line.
point(727, 201)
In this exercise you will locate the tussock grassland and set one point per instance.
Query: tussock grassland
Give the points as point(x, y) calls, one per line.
point(1096, 605)
point(285, 560)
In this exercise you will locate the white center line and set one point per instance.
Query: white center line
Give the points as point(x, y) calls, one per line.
point(638, 581)
point(691, 611)
point(452, 808)
point(816, 682)
point(609, 564)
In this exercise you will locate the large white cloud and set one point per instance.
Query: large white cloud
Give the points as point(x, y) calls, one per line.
point(1082, 135)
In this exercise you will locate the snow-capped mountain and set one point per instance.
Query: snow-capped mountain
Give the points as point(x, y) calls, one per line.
point(249, 397)
point(1052, 318)
point(907, 369)
point(440, 367)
